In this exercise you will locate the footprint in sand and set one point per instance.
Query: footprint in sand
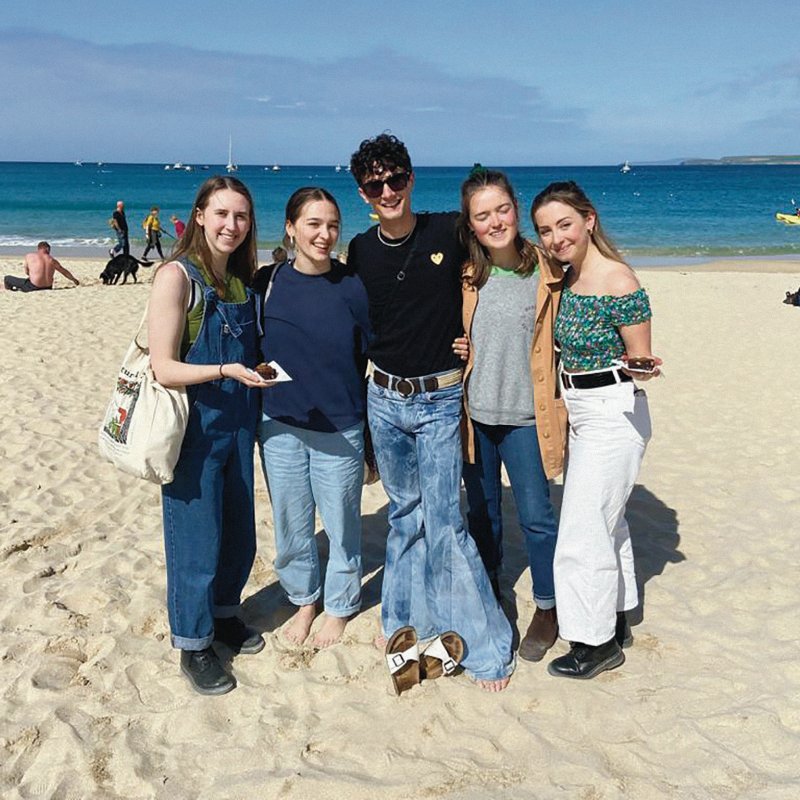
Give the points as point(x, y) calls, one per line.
point(154, 686)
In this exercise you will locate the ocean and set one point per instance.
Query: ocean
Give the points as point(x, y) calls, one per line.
point(658, 214)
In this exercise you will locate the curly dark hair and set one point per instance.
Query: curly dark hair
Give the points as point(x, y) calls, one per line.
point(379, 154)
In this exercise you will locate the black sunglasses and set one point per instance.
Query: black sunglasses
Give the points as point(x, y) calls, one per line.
point(396, 182)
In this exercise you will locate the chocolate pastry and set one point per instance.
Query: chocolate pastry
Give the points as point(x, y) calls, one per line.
point(267, 372)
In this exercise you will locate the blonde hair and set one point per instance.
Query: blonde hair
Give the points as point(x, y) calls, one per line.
point(569, 193)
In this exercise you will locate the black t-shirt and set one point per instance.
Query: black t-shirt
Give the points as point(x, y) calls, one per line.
point(414, 320)
point(119, 218)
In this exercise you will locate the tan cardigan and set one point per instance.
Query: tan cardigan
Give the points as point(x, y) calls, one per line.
point(551, 415)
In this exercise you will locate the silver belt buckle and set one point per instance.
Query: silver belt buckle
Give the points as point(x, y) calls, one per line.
point(400, 387)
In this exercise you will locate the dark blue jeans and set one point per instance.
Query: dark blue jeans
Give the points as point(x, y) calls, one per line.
point(518, 448)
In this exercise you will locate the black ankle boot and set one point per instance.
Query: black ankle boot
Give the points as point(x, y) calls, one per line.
point(623, 633)
point(232, 632)
point(585, 660)
point(205, 672)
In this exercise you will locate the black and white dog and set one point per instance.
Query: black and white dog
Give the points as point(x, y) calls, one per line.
point(123, 266)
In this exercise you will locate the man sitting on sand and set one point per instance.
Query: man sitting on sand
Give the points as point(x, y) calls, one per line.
point(39, 270)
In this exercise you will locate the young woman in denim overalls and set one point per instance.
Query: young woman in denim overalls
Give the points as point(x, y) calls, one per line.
point(603, 324)
point(209, 519)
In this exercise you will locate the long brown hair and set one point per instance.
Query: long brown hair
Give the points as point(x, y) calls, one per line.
point(476, 270)
point(569, 193)
point(243, 260)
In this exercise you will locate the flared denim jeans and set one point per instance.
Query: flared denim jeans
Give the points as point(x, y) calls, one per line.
point(434, 579)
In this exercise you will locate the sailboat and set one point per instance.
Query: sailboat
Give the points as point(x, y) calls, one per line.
point(230, 166)
point(626, 167)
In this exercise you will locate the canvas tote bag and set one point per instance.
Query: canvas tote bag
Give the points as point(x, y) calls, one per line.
point(145, 422)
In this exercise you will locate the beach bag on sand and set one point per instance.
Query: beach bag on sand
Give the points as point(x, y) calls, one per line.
point(145, 422)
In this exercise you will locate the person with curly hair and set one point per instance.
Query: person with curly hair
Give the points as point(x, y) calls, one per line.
point(410, 263)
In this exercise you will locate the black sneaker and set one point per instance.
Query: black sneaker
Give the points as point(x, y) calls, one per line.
point(585, 661)
point(623, 633)
point(231, 631)
point(205, 672)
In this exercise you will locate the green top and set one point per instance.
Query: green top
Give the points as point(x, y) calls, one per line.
point(235, 292)
point(502, 272)
point(587, 327)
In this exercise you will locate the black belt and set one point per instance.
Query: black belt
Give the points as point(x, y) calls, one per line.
point(409, 386)
point(594, 380)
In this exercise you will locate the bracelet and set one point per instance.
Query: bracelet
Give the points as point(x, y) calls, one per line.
point(220, 371)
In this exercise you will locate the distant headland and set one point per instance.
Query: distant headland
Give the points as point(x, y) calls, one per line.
point(739, 160)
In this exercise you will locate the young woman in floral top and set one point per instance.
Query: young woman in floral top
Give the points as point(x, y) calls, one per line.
point(603, 322)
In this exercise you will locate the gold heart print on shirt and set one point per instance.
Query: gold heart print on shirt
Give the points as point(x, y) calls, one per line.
point(437, 258)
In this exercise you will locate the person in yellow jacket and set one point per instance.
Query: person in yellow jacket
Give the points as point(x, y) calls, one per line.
point(152, 227)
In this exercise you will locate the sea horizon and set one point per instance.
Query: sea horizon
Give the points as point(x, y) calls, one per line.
point(656, 213)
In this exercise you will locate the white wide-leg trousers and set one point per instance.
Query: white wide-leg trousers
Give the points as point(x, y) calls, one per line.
point(593, 568)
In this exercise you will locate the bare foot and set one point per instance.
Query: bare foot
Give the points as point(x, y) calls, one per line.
point(330, 632)
point(380, 642)
point(298, 628)
point(494, 686)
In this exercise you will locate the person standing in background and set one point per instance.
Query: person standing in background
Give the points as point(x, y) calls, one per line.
point(180, 227)
point(120, 225)
point(152, 227)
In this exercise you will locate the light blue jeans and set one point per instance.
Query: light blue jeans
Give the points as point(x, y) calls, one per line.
point(308, 470)
point(434, 579)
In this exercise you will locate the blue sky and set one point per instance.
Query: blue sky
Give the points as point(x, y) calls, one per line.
point(505, 83)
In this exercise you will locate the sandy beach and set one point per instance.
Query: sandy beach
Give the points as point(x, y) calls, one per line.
point(707, 705)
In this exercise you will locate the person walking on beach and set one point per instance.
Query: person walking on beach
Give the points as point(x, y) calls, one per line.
point(178, 224)
point(312, 429)
point(40, 269)
point(208, 509)
point(120, 225)
point(410, 263)
point(514, 416)
point(152, 227)
point(603, 327)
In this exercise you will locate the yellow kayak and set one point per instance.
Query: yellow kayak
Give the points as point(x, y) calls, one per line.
point(788, 219)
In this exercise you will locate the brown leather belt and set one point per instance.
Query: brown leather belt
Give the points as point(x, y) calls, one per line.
point(409, 386)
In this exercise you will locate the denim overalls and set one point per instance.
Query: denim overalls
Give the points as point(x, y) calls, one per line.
point(209, 517)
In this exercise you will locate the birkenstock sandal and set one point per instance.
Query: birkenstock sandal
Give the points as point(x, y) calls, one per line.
point(402, 657)
point(442, 656)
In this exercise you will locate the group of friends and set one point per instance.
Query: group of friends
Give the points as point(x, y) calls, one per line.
point(479, 344)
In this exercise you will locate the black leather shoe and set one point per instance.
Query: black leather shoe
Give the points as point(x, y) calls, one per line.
point(231, 631)
point(541, 636)
point(623, 633)
point(205, 672)
point(585, 661)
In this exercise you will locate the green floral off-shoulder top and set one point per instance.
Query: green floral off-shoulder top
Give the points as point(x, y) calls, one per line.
point(587, 327)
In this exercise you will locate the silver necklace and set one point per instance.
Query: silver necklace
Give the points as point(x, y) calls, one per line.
point(399, 242)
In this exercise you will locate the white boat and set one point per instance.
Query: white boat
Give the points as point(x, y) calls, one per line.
point(338, 168)
point(179, 165)
point(626, 167)
point(230, 166)
point(276, 168)
point(79, 163)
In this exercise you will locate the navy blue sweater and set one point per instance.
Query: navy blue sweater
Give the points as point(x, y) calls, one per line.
point(317, 328)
